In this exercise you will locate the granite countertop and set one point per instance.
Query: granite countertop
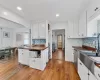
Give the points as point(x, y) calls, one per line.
point(36, 47)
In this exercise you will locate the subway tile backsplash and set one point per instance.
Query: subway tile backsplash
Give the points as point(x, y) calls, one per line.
point(38, 41)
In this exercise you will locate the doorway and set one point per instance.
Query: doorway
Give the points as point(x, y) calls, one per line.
point(58, 44)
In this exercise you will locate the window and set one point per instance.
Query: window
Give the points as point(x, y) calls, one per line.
point(26, 38)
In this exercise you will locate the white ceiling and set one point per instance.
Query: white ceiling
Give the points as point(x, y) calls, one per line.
point(4, 23)
point(46, 9)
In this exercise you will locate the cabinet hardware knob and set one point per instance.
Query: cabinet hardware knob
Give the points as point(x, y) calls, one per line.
point(96, 9)
point(88, 74)
point(80, 63)
point(99, 75)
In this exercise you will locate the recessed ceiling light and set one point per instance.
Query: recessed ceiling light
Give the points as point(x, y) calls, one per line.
point(5, 13)
point(57, 15)
point(19, 8)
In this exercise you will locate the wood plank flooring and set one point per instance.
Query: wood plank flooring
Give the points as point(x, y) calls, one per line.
point(55, 70)
point(58, 54)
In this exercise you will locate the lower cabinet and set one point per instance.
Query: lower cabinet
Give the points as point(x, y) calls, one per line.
point(23, 56)
point(97, 72)
point(92, 77)
point(34, 59)
point(84, 73)
point(37, 63)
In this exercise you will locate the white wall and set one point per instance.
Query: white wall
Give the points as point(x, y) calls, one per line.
point(5, 42)
point(68, 42)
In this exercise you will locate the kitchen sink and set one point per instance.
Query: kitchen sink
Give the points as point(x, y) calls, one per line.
point(96, 59)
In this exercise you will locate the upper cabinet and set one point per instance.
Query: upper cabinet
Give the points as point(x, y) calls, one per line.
point(88, 24)
point(92, 28)
point(38, 30)
point(42, 30)
point(35, 31)
point(73, 29)
point(83, 25)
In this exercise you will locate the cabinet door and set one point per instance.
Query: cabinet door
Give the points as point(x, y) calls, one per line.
point(97, 72)
point(42, 30)
point(83, 25)
point(44, 55)
point(82, 70)
point(20, 56)
point(37, 63)
point(91, 76)
point(35, 31)
point(75, 28)
point(92, 28)
point(70, 29)
point(25, 57)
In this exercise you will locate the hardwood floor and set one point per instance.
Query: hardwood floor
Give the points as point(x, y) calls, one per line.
point(55, 70)
point(58, 54)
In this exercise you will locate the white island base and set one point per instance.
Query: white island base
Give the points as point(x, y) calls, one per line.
point(33, 59)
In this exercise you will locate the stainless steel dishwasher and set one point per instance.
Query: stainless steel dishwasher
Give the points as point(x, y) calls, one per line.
point(76, 54)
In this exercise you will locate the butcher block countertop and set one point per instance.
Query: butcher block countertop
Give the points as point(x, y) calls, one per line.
point(83, 47)
point(35, 47)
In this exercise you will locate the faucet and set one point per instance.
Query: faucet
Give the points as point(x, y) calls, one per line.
point(98, 49)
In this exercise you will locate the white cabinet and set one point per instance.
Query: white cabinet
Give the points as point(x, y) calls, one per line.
point(73, 28)
point(91, 76)
point(92, 28)
point(87, 29)
point(83, 25)
point(20, 55)
point(97, 72)
point(70, 29)
point(34, 31)
point(82, 70)
point(37, 63)
point(23, 56)
point(42, 30)
point(38, 30)
point(45, 55)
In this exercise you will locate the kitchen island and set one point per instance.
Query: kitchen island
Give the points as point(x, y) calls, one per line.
point(33, 56)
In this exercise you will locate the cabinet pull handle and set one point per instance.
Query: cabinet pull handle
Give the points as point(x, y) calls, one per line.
point(80, 63)
point(99, 75)
point(88, 74)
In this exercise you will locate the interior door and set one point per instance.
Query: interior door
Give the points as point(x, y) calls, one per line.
point(59, 41)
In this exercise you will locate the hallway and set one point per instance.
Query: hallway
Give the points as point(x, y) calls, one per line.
point(58, 55)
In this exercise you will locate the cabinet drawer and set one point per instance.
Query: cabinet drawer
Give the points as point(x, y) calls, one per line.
point(97, 72)
point(37, 63)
